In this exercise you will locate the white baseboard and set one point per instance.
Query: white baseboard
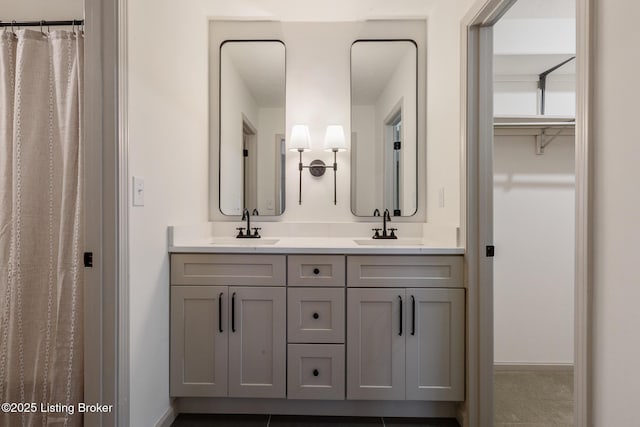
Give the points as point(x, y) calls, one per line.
point(168, 418)
point(556, 367)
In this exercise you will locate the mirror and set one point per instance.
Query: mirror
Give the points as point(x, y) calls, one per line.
point(384, 137)
point(252, 127)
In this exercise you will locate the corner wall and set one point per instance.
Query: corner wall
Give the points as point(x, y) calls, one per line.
point(616, 208)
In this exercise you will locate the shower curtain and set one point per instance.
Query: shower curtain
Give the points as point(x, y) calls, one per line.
point(41, 227)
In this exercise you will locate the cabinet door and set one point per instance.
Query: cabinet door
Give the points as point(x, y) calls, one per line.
point(198, 341)
point(257, 342)
point(375, 344)
point(435, 344)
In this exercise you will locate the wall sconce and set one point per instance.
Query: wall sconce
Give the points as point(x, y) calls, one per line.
point(333, 141)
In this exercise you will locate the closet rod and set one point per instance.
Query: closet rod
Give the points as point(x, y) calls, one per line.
point(41, 23)
point(536, 124)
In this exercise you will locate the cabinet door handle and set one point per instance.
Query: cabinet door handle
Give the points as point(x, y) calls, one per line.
point(233, 312)
point(316, 316)
point(220, 312)
point(413, 315)
point(316, 271)
point(400, 297)
point(316, 372)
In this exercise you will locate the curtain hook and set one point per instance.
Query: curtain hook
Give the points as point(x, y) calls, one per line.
point(41, 24)
point(12, 29)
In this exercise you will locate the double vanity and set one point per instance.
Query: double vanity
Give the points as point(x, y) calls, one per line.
point(317, 325)
point(305, 319)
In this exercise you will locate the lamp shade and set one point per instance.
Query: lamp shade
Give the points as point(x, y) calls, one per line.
point(300, 140)
point(334, 138)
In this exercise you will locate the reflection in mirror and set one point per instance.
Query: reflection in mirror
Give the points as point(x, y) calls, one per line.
point(252, 127)
point(384, 127)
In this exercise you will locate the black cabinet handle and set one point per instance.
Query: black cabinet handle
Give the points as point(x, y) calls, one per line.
point(233, 312)
point(316, 270)
point(220, 312)
point(413, 315)
point(316, 372)
point(400, 297)
point(316, 315)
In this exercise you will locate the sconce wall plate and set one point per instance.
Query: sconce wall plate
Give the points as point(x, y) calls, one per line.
point(317, 168)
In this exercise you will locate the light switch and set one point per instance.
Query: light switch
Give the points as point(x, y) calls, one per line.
point(138, 191)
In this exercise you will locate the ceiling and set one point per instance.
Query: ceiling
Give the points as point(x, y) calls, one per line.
point(542, 9)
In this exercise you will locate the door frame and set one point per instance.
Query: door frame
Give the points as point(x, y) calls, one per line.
point(106, 298)
point(477, 182)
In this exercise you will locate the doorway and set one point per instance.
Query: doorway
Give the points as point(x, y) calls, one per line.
point(479, 210)
point(534, 212)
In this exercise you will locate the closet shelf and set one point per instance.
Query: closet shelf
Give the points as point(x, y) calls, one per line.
point(544, 128)
point(534, 122)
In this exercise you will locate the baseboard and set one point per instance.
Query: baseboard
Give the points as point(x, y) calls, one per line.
point(168, 418)
point(555, 367)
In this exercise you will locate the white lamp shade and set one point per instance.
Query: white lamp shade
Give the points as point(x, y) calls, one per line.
point(300, 140)
point(334, 138)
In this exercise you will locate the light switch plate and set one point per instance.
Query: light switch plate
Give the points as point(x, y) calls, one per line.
point(138, 191)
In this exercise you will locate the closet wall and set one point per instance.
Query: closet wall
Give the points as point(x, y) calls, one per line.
point(534, 194)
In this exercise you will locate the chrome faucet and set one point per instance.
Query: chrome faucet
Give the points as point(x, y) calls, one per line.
point(386, 216)
point(248, 235)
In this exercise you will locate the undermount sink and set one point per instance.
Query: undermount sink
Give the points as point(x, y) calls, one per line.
point(389, 242)
point(232, 241)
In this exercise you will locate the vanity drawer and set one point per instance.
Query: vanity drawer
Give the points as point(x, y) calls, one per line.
point(315, 371)
point(405, 271)
point(316, 270)
point(315, 315)
point(222, 269)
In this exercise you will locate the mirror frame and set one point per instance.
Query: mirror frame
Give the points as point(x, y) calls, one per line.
point(417, 115)
point(219, 102)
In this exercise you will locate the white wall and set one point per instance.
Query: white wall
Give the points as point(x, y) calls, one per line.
point(616, 209)
point(518, 95)
point(168, 131)
point(534, 195)
point(35, 10)
point(534, 222)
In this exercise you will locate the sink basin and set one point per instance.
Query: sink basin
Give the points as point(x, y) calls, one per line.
point(232, 241)
point(389, 242)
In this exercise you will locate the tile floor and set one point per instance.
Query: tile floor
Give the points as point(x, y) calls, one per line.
point(522, 399)
point(198, 420)
point(533, 399)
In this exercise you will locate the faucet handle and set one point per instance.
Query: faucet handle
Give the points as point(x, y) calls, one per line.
point(392, 230)
point(240, 231)
point(377, 232)
point(255, 231)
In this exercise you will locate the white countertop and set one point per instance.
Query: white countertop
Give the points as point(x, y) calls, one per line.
point(310, 238)
point(313, 245)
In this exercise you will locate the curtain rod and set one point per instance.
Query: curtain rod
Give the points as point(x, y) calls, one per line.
point(41, 23)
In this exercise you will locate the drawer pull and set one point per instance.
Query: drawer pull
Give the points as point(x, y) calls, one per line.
point(316, 316)
point(400, 298)
point(413, 315)
point(316, 372)
point(220, 313)
point(233, 312)
point(316, 271)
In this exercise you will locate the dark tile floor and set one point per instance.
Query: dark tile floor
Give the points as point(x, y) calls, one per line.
point(201, 420)
point(533, 399)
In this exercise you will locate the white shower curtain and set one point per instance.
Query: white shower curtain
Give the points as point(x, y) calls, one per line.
point(41, 227)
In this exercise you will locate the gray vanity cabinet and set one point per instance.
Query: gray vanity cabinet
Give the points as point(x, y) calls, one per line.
point(405, 343)
point(199, 341)
point(257, 342)
point(228, 340)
